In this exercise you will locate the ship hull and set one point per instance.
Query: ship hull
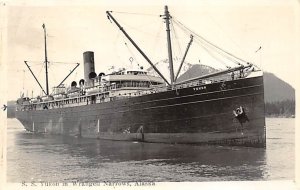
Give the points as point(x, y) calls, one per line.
point(201, 114)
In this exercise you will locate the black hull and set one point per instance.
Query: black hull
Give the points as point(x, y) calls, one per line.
point(197, 115)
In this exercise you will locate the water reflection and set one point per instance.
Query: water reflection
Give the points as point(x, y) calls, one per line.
point(57, 158)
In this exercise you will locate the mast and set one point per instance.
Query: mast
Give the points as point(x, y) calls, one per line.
point(46, 62)
point(167, 18)
point(46, 59)
point(109, 16)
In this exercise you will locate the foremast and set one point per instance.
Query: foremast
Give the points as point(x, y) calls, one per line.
point(167, 18)
point(173, 79)
point(46, 67)
point(46, 59)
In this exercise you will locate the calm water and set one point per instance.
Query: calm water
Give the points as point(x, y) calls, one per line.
point(53, 158)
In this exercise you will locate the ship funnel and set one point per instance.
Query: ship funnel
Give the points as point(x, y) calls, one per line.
point(89, 65)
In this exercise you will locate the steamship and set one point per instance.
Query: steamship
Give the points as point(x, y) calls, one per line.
point(225, 107)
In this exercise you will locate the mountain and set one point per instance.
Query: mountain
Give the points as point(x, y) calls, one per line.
point(195, 71)
point(163, 67)
point(275, 88)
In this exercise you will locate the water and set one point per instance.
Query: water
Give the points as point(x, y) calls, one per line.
point(60, 159)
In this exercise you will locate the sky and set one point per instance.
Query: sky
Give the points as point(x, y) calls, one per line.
point(239, 27)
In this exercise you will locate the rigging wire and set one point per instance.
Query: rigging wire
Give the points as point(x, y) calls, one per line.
point(132, 54)
point(176, 37)
point(220, 53)
point(50, 64)
point(208, 46)
point(62, 62)
point(215, 57)
point(145, 23)
point(34, 61)
point(50, 69)
point(39, 73)
point(115, 47)
point(125, 43)
point(157, 36)
point(203, 44)
point(209, 42)
point(223, 31)
point(132, 13)
point(138, 29)
point(37, 63)
point(201, 40)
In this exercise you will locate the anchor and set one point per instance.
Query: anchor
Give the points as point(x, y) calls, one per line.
point(240, 114)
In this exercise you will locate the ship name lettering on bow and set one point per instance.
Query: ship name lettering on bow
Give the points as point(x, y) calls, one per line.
point(199, 88)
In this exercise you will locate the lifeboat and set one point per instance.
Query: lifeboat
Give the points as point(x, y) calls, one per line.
point(59, 96)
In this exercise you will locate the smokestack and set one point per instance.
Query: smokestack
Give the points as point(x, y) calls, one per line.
point(89, 65)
